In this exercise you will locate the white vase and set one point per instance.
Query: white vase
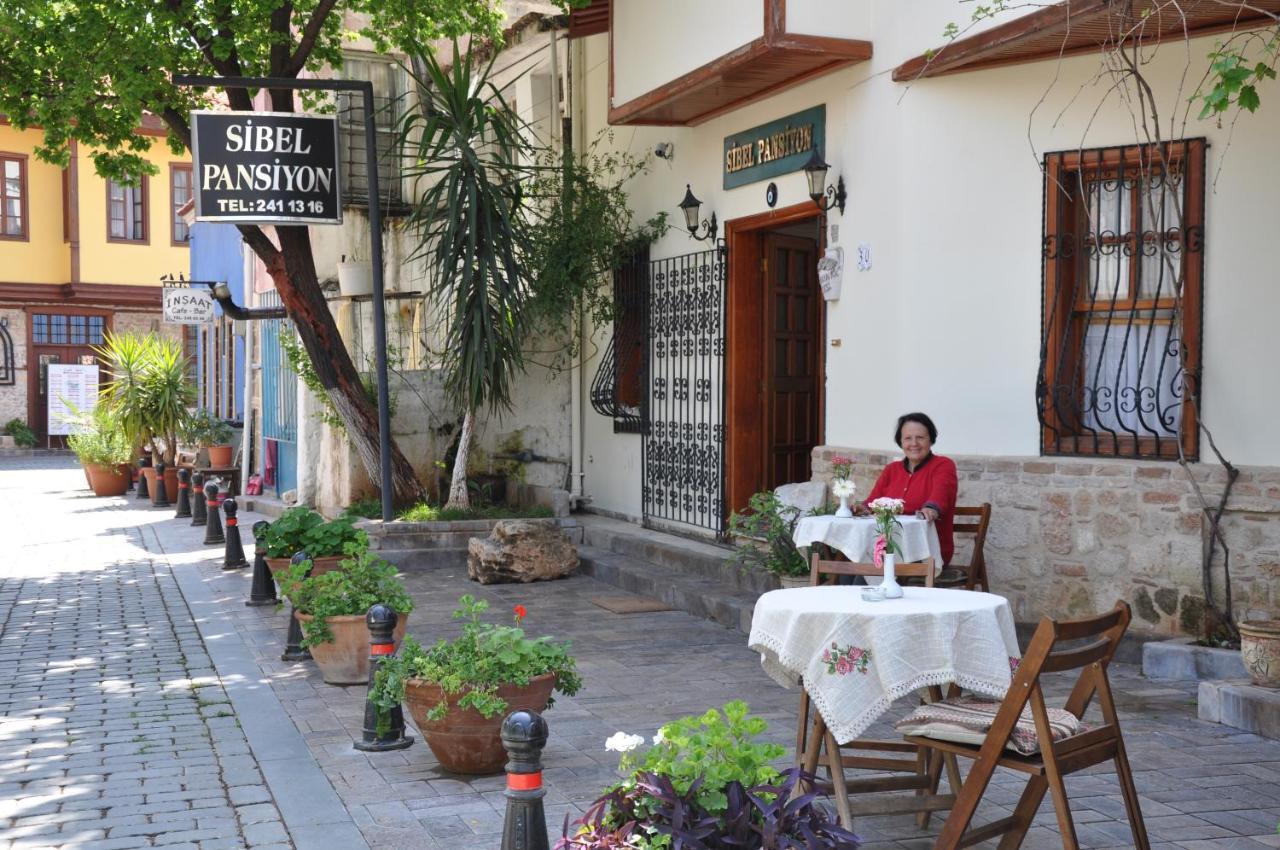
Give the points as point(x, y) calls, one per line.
point(890, 586)
point(843, 511)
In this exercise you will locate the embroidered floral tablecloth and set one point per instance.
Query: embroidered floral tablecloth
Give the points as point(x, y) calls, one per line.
point(855, 537)
point(856, 657)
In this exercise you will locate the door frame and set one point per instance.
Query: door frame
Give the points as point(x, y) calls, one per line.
point(745, 409)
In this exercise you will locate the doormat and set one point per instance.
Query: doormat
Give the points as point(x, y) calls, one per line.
point(628, 604)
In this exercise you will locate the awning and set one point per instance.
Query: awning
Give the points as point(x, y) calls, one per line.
point(1071, 27)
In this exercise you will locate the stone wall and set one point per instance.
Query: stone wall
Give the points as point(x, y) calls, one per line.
point(13, 398)
point(1070, 536)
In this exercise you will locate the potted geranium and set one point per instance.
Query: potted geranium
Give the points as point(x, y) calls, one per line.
point(766, 531)
point(331, 607)
point(301, 529)
point(458, 691)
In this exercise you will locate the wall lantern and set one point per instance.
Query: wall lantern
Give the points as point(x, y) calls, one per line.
point(690, 207)
point(815, 171)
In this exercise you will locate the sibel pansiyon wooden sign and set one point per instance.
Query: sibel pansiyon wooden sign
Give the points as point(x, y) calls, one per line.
point(266, 167)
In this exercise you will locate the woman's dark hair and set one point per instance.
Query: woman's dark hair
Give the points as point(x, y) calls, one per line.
point(918, 418)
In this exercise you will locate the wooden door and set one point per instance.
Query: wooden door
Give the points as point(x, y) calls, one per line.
point(791, 340)
point(66, 336)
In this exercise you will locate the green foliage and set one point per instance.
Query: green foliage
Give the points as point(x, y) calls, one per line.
point(1233, 79)
point(360, 582)
point(300, 364)
point(585, 229)
point(99, 439)
point(22, 435)
point(423, 512)
point(147, 393)
point(717, 747)
point(203, 429)
point(483, 657)
point(301, 529)
point(369, 508)
point(772, 524)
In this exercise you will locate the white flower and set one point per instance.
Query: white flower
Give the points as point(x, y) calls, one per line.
point(843, 488)
point(621, 742)
point(658, 738)
point(887, 505)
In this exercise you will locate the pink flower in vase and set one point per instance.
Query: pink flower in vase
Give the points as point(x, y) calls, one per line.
point(877, 554)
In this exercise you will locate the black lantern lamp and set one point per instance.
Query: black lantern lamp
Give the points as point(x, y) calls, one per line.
point(815, 171)
point(690, 207)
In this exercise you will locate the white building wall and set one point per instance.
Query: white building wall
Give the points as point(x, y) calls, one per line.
point(846, 19)
point(944, 185)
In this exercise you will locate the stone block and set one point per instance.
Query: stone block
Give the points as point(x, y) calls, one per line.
point(1182, 660)
point(1237, 703)
point(521, 551)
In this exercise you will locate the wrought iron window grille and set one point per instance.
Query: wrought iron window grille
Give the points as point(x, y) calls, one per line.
point(8, 369)
point(1122, 295)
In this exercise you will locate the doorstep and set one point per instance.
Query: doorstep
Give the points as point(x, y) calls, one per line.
point(1182, 660)
point(265, 505)
point(1239, 703)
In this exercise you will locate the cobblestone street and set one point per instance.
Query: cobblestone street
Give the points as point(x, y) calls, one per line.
point(142, 704)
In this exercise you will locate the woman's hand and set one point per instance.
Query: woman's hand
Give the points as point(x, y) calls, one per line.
point(928, 513)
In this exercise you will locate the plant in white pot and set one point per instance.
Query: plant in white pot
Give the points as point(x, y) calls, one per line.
point(355, 275)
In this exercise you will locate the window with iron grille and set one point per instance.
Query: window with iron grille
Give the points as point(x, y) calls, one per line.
point(1123, 291)
point(619, 387)
point(127, 212)
point(388, 100)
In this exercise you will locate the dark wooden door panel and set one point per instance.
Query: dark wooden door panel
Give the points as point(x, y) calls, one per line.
point(791, 362)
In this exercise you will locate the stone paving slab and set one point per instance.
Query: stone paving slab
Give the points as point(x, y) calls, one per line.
point(1201, 785)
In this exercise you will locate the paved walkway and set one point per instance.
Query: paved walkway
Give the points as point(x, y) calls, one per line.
point(123, 725)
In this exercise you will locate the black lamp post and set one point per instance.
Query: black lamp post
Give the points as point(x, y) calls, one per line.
point(815, 171)
point(690, 207)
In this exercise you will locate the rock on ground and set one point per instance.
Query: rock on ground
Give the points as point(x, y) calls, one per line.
point(521, 551)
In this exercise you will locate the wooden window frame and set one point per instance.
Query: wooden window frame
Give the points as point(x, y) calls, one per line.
point(146, 212)
point(174, 217)
point(24, 188)
point(1064, 316)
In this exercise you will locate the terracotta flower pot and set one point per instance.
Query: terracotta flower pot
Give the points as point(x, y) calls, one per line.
point(319, 566)
point(107, 480)
point(345, 659)
point(464, 741)
point(170, 482)
point(87, 478)
point(1260, 648)
point(219, 455)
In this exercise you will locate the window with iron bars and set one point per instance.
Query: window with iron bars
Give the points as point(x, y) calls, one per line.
point(1122, 301)
point(620, 387)
point(388, 107)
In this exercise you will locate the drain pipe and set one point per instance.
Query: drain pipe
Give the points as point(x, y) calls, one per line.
point(575, 63)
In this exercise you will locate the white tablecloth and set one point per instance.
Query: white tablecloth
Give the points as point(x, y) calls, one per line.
point(855, 537)
point(856, 657)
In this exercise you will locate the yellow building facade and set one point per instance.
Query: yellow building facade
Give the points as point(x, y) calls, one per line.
point(80, 256)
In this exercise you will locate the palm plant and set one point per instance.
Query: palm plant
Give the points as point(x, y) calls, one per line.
point(147, 393)
point(126, 356)
point(464, 143)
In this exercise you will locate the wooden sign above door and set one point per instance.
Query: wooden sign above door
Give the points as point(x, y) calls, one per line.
point(779, 147)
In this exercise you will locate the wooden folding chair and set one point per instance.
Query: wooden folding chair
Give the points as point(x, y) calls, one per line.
point(970, 576)
point(1046, 654)
point(816, 747)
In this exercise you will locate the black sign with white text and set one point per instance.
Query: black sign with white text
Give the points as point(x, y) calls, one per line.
point(266, 167)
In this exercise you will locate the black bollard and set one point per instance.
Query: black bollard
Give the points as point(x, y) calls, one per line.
point(184, 494)
point(293, 648)
point(143, 492)
point(213, 526)
point(162, 496)
point(234, 558)
point(263, 589)
point(389, 734)
point(524, 734)
point(199, 512)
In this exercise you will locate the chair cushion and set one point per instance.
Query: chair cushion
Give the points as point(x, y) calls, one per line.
point(966, 720)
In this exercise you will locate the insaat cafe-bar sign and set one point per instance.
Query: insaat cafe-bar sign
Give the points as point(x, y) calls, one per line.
point(265, 167)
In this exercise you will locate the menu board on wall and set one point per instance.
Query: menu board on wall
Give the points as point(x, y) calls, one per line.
point(70, 384)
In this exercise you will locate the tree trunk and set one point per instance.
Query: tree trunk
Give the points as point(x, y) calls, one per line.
point(293, 270)
point(458, 496)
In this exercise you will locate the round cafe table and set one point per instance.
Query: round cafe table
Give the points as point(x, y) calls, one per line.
point(856, 657)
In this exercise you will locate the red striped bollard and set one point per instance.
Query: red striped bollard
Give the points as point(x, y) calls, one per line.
point(524, 734)
point(233, 556)
point(213, 526)
point(161, 499)
point(199, 511)
point(184, 494)
point(383, 727)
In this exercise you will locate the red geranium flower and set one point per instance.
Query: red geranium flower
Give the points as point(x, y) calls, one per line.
point(520, 612)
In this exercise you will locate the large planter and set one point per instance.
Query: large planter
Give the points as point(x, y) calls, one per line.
point(355, 278)
point(464, 741)
point(345, 659)
point(219, 456)
point(107, 480)
point(1260, 648)
point(319, 566)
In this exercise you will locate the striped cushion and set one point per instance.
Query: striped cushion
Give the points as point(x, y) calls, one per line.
point(966, 720)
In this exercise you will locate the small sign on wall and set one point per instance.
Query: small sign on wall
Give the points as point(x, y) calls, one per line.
point(184, 305)
point(779, 147)
point(831, 272)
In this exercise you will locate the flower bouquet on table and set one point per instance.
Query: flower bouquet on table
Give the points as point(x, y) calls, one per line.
point(842, 486)
point(886, 512)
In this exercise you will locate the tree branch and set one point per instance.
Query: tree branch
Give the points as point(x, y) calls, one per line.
point(307, 41)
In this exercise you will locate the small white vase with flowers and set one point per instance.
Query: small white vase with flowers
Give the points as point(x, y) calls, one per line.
point(886, 512)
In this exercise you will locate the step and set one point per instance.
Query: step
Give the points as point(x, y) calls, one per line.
point(1239, 703)
point(697, 595)
point(691, 557)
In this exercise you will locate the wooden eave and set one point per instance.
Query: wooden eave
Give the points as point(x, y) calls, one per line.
point(763, 67)
point(1072, 27)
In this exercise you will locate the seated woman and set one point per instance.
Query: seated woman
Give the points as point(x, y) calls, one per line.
point(926, 482)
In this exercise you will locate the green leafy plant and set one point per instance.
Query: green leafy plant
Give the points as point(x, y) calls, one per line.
point(22, 435)
point(368, 508)
point(99, 439)
point(148, 391)
point(424, 512)
point(769, 525)
point(482, 658)
point(361, 581)
point(301, 529)
point(300, 364)
point(201, 428)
